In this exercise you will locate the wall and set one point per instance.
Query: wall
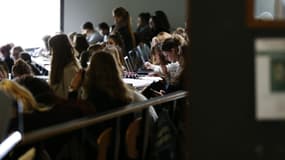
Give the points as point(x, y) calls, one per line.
point(77, 12)
point(222, 86)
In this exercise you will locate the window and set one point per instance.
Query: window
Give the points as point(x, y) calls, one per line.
point(25, 22)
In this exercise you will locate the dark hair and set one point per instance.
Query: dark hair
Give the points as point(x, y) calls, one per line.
point(80, 43)
point(62, 55)
point(103, 25)
point(40, 89)
point(88, 25)
point(18, 48)
point(126, 21)
point(26, 57)
point(145, 16)
point(163, 20)
point(170, 43)
point(21, 68)
point(5, 50)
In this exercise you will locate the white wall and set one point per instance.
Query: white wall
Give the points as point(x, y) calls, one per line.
point(77, 12)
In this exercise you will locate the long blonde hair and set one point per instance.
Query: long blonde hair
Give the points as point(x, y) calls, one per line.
point(20, 93)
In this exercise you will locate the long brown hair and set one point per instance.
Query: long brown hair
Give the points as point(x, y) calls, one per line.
point(126, 21)
point(104, 76)
point(62, 55)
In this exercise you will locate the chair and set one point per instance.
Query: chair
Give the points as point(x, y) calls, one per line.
point(29, 155)
point(103, 142)
point(132, 134)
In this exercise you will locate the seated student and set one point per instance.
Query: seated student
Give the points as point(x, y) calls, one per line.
point(116, 40)
point(81, 45)
point(17, 92)
point(53, 110)
point(16, 52)
point(6, 53)
point(27, 58)
point(172, 49)
point(21, 68)
point(104, 88)
point(104, 30)
point(143, 33)
point(63, 64)
point(92, 35)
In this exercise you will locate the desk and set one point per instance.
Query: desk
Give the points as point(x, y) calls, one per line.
point(138, 83)
point(43, 62)
point(141, 82)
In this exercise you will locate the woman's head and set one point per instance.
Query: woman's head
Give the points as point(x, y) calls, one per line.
point(116, 53)
point(157, 56)
point(19, 93)
point(160, 37)
point(170, 48)
point(143, 19)
point(162, 20)
point(104, 75)
point(80, 43)
point(5, 50)
point(115, 40)
point(121, 16)
point(62, 55)
point(16, 52)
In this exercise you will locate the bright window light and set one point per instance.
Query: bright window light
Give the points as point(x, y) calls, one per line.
point(25, 22)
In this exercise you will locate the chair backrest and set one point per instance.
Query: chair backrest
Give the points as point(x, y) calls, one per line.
point(103, 142)
point(132, 133)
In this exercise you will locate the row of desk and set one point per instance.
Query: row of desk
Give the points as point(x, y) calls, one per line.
point(139, 83)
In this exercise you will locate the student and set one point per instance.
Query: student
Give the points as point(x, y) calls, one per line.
point(81, 45)
point(63, 64)
point(173, 49)
point(6, 53)
point(27, 58)
point(92, 35)
point(123, 28)
point(16, 52)
point(143, 33)
point(21, 68)
point(104, 30)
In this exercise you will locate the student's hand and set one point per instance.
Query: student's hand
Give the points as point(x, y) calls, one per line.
point(147, 65)
point(77, 80)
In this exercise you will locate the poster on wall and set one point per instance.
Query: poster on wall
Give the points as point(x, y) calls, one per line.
point(270, 78)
